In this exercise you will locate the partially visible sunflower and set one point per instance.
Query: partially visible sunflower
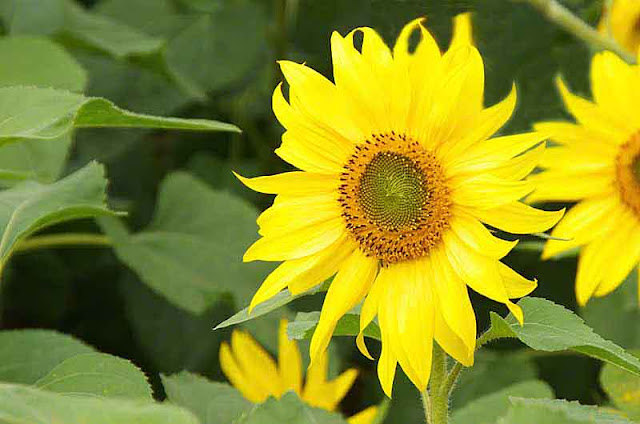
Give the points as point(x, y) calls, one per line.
point(398, 176)
point(597, 164)
point(255, 374)
point(622, 21)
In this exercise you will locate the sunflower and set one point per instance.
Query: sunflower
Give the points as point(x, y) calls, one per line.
point(597, 164)
point(397, 176)
point(622, 21)
point(255, 374)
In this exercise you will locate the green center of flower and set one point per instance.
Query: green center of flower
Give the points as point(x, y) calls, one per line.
point(392, 191)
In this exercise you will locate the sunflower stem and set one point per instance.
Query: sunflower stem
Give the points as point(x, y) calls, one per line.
point(61, 240)
point(563, 17)
point(436, 400)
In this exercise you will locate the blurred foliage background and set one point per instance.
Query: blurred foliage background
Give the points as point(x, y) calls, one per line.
point(177, 271)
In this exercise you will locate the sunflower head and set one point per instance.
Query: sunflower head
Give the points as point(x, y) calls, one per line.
point(397, 175)
point(258, 377)
point(596, 163)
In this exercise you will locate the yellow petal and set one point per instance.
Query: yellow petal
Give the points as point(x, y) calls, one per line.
point(515, 284)
point(387, 366)
point(238, 378)
point(477, 237)
point(571, 186)
point(487, 192)
point(615, 85)
point(520, 166)
point(583, 223)
point(340, 386)
point(453, 300)
point(366, 416)
point(576, 135)
point(406, 313)
point(297, 244)
point(621, 263)
point(315, 388)
point(478, 272)
point(462, 31)
point(292, 183)
point(292, 213)
point(367, 314)
point(518, 218)
point(256, 363)
point(350, 285)
point(289, 361)
point(594, 117)
point(304, 273)
point(578, 159)
point(451, 343)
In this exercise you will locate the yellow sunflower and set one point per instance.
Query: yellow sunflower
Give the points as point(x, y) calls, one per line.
point(622, 21)
point(597, 164)
point(397, 178)
point(255, 374)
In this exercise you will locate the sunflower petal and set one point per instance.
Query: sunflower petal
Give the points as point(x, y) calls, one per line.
point(289, 361)
point(518, 218)
point(292, 183)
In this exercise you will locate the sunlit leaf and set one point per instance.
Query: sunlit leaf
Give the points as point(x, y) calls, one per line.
point(291, 410)
point(489, 408)
point(349, 325)
point(536, 411)
point(550, 327)
point(21, 404)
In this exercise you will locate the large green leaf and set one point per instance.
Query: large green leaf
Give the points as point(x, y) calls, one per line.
point(97, 374)
point(21, 405)
point(211, 402)
point(28, 355)
point(291, 410)
point(623, 389)
point(42, 17)
point(550, 327)
point(30, 112)
point(40, 160)
point(536, 411)
point(29, 207)
point(191, 253)
point(487, 409)
point(40, 62)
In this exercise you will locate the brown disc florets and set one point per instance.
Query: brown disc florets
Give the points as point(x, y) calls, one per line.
point(394, 198)
point(628, 173)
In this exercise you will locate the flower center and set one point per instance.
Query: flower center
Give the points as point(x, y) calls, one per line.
point(628, 172)
point(394, 198)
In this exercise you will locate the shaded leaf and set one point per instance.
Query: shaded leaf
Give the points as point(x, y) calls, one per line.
point(550, 327)
point(29, 207)
point(41, 160)
point(623, 389)
point(98, 374)
point(349, 325)
point(211, 402)
point(535, 411)
point(28, 355)
point(191, 253)
point(487, 409)
point(42, 17)
point(21, 404)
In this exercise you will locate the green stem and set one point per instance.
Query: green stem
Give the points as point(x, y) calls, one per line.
point(62, 240)
point(438, 399)
point(426, 405)
point(451, 379)
point(563, 17)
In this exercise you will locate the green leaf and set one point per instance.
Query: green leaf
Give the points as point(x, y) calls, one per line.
point(29, 207)
point(28, 355)
point(98, 374)
point(551, 328)
point(37, 61)
point(277, 301)
point(624, 306)
point(107, 35)
point(41, 17)
point(191, 253)
point(218, 48)
point(291, 410)
point(536, 411)
point(623, 389)
point(487, 409)
point(45, 113)
point(41, 160)
point(20, 405)
point(349, 325)
point(211, 402)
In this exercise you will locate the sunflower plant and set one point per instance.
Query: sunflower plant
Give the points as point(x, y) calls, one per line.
point(451, 207)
